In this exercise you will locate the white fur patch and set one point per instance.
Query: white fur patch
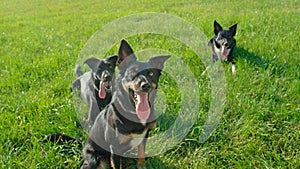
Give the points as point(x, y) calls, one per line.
point(143, 122)
point(233, 68)
point(137, 138)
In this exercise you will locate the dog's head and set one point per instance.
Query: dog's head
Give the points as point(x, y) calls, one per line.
point(103, 73)
point(224, 40)
point(139, 79)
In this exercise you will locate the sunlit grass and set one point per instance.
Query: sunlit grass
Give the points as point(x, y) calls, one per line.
point(40, 42)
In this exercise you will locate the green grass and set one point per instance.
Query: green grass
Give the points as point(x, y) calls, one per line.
point(40, 42)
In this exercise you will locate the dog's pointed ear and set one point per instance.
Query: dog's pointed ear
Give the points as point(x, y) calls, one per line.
point(113, 59)
point(217, 27)
point(232, 29)
point(92, 63)
point(125, 51)
point(158, 61)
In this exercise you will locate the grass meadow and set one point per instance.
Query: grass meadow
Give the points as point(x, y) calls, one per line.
point(260, 126)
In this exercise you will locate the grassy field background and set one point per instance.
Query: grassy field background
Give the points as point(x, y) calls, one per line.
point(260, 126)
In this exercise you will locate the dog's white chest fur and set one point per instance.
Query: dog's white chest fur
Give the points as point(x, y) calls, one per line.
point(137, 138)
point(131, 140)
point(233, 68)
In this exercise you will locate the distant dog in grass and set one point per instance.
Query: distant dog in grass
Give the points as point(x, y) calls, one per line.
point(126, 121)
point(95, 86)
point(223, 44)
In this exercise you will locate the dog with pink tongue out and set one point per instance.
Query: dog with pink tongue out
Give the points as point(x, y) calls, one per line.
point(95, 86)
point(223, 44)
point(125, 122)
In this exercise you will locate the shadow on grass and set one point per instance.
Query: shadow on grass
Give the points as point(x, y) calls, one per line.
point(251, 58)
point(273, 65)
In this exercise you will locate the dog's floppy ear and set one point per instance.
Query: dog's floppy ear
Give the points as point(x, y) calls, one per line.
point(92, 63)
point(124, 52)
point(217, 27)
point(113, 59)
point(158, 61)
point(232, 29)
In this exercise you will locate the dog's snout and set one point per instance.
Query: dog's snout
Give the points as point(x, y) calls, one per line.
point(225, 44)
point(145, 86)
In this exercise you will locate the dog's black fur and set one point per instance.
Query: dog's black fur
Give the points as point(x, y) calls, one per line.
point(89, 84)
point(223, 44)
point(95, 86)
point(126, 121)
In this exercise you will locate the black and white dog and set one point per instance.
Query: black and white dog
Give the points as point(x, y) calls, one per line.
point(223, 44)
point(95, 86)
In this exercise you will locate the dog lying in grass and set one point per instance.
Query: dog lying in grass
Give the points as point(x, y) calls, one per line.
point(95, 86)
point(126, 121)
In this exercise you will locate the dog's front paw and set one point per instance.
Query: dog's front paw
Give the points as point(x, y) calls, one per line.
point(141, 164)
point(233, 69)
point(141, 167)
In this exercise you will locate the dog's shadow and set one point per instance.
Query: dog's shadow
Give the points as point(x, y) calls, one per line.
point(257, 62)
point(250, 57)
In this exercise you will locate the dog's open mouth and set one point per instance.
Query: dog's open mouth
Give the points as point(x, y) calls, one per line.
point(104, 88)
point(224, 51)
point(141, 101)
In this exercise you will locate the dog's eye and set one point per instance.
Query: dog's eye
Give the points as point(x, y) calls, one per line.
point(150, 74)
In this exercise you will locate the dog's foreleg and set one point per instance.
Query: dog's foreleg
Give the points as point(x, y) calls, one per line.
point(142, 148)
point(141, 154)
point(233, 68)
point(115, 160)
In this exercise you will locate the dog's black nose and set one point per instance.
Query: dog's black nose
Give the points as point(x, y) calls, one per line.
point(145, 86)
point(226, 44)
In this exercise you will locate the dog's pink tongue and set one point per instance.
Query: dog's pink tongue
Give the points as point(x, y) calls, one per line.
point(102, 91)
point(142, 106)
point(224, 52)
